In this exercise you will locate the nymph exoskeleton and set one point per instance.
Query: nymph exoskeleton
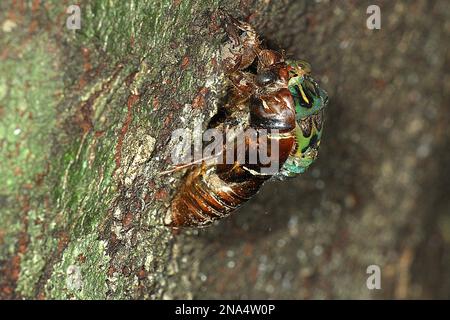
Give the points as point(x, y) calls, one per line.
point(268, 95)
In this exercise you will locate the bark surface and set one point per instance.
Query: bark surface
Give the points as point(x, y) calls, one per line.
point(86, 118)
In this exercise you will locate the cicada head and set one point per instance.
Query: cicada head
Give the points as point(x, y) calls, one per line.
point(298, 68)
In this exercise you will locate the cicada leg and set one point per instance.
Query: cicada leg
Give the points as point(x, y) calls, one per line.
point(244, 44)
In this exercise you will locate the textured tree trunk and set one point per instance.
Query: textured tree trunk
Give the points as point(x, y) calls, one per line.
point(86, 118)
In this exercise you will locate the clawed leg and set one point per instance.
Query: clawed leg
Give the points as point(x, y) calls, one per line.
point(232, 26)
point(243, 47)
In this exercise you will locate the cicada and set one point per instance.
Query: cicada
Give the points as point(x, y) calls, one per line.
point(266, 93)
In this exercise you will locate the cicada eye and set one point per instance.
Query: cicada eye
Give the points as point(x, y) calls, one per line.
point(305, 66)
point(265, 77)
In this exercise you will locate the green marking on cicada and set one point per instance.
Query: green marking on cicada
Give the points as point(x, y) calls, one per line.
point(305, 153)
point(310, 100)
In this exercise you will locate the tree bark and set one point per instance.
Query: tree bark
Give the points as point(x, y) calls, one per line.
point(86, 119)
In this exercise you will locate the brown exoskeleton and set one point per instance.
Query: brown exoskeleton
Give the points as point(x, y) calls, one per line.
point(258, 100)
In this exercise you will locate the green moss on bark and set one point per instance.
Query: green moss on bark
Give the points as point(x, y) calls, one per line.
point(85, 117)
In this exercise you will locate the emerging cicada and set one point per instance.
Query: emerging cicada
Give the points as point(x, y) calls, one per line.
point(266, 93)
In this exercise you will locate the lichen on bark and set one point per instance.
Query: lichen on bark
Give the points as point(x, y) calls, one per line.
point(87, 118)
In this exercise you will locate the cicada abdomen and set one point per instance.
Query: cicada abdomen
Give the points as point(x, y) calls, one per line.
point(209, 193)
point(205, 197)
